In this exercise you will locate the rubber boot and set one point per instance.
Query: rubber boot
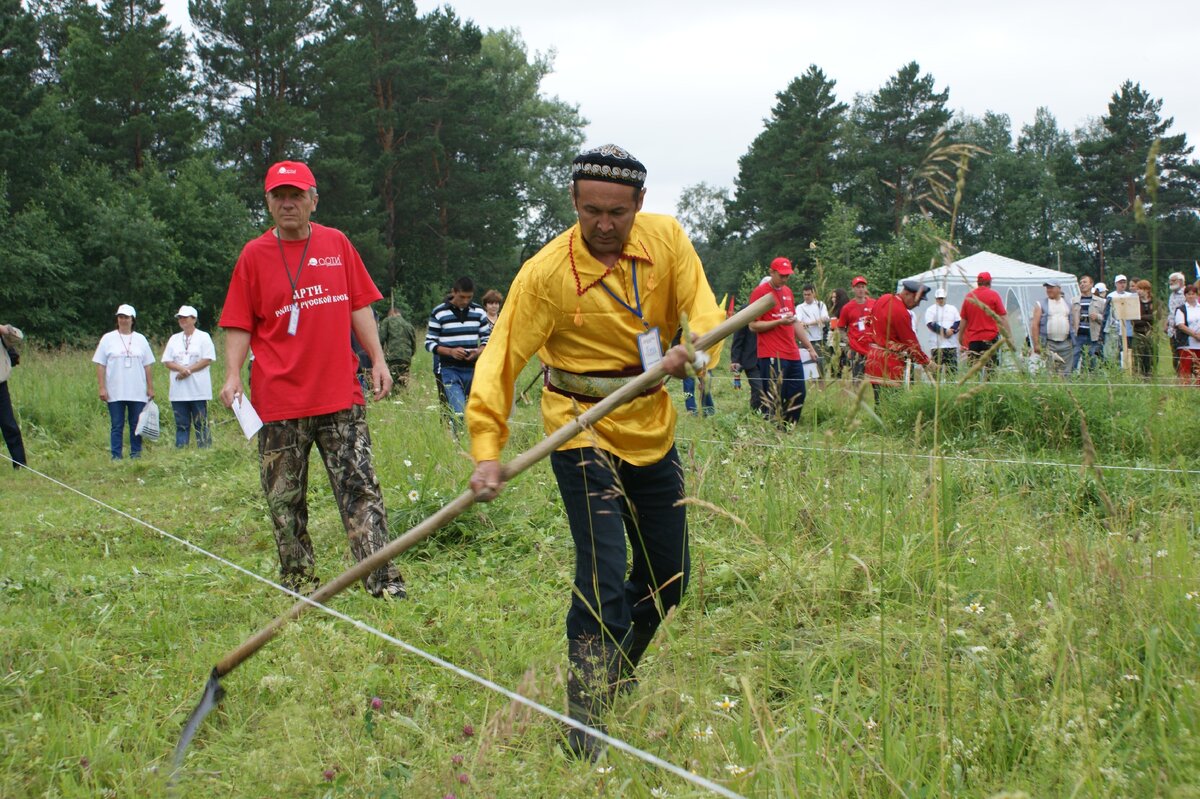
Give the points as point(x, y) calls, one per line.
point(636, 643)
point(591, 683)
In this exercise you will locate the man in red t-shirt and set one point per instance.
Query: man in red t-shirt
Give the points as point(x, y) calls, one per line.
point(980, 330)
point(296, 294)
point(893, 340)
point(855, 319)
point(779, 367)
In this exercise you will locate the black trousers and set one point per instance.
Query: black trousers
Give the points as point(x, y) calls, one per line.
point(8, 424)
point(607, 502)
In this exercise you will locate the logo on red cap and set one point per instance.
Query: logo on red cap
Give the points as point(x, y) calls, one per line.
point(859, 281)
point(289, 173)
point(782, 265)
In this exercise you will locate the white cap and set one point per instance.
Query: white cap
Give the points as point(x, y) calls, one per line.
point(1100, 287)
point(186, 310)
point(1119, 278)
point(940, 294)
point(126, 309)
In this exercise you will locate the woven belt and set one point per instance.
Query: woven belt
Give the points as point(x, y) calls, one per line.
point(593, 386)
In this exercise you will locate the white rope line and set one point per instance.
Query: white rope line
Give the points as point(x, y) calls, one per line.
point(951, 381)
point(967, 459)
point(616, 743)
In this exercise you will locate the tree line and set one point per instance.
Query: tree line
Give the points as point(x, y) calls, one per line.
point(886, 184)
point(131, 162)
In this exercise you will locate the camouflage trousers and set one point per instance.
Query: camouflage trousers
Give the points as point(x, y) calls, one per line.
point(399, 372)
point(344, 442)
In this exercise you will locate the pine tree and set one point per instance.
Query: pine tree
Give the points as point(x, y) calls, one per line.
point(891, 134)
point(258, 78)
point(785, 180)
point(126, 75)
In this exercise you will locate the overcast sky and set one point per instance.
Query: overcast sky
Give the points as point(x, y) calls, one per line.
point(686, 86)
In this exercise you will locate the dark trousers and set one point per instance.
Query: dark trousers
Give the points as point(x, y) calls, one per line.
point(946, 357)
point(689, 397)
point(8, 424)
point(191, 414)
point(782, 394)
point(975, 351)
point(118, 412)
point(608, 501)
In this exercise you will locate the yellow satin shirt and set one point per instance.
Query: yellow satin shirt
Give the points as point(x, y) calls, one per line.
point(544, 314)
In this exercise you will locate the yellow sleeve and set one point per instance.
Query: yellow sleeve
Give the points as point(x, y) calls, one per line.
point(522, 329)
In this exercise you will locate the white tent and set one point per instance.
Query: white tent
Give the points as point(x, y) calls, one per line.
point(1018, 284)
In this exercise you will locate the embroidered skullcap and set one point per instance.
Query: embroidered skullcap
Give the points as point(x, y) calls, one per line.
point(609, 163)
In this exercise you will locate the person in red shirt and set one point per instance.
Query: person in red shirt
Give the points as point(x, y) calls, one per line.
point(893, 340)
point(855, 319)
point(296, 294)
point(982, 316)
point(780, 370)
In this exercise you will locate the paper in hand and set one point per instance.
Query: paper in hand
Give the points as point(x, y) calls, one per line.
point(246, 415)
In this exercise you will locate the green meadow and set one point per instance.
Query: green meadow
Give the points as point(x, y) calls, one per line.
point(955, 594)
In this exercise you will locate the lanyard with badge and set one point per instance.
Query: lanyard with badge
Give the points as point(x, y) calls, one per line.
point(294, 318)
point(128, 350)
point(649, 343)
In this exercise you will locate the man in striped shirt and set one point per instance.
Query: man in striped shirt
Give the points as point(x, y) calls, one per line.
point(458, 331)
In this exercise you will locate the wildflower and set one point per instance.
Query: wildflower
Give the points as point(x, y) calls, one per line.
point(1192, 596)
point(84, 763)
point(725, 462)
point(687, 699)
point(1131, 678)
point(871, 724)
point(36, 717)
point(659, 792)
point(702, 735)
point(975, 608)
point(449, 796)
point(457, 760)
point(604, 769)
point(1162, 553)
point(376, 703)
point(329, 774)
point(468, 730)
point(408, 463)
point(414, 495)
point(463, 779)
point(726, 703)
point(735, 770)
point(971, 561)
point(978, 650)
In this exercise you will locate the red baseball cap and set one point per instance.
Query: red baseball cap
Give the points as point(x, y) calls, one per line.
point(782, 265)
point(290, 173)
point(860, 280)
point(984, 277)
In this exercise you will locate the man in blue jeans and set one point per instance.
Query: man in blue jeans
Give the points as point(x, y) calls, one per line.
point(457, 333)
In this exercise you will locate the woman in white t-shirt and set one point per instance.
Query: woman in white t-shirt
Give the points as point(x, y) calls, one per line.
point(187, 356)
point(123, 360)
point(1187, 320)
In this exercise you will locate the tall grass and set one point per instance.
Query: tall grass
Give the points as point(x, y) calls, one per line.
point(902, 622)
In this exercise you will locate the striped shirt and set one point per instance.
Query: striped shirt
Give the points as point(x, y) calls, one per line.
point(449, 326)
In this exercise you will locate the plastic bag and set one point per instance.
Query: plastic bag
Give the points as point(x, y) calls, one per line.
point(147, 424)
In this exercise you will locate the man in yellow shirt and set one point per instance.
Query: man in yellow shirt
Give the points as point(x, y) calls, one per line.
point(596, 305)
